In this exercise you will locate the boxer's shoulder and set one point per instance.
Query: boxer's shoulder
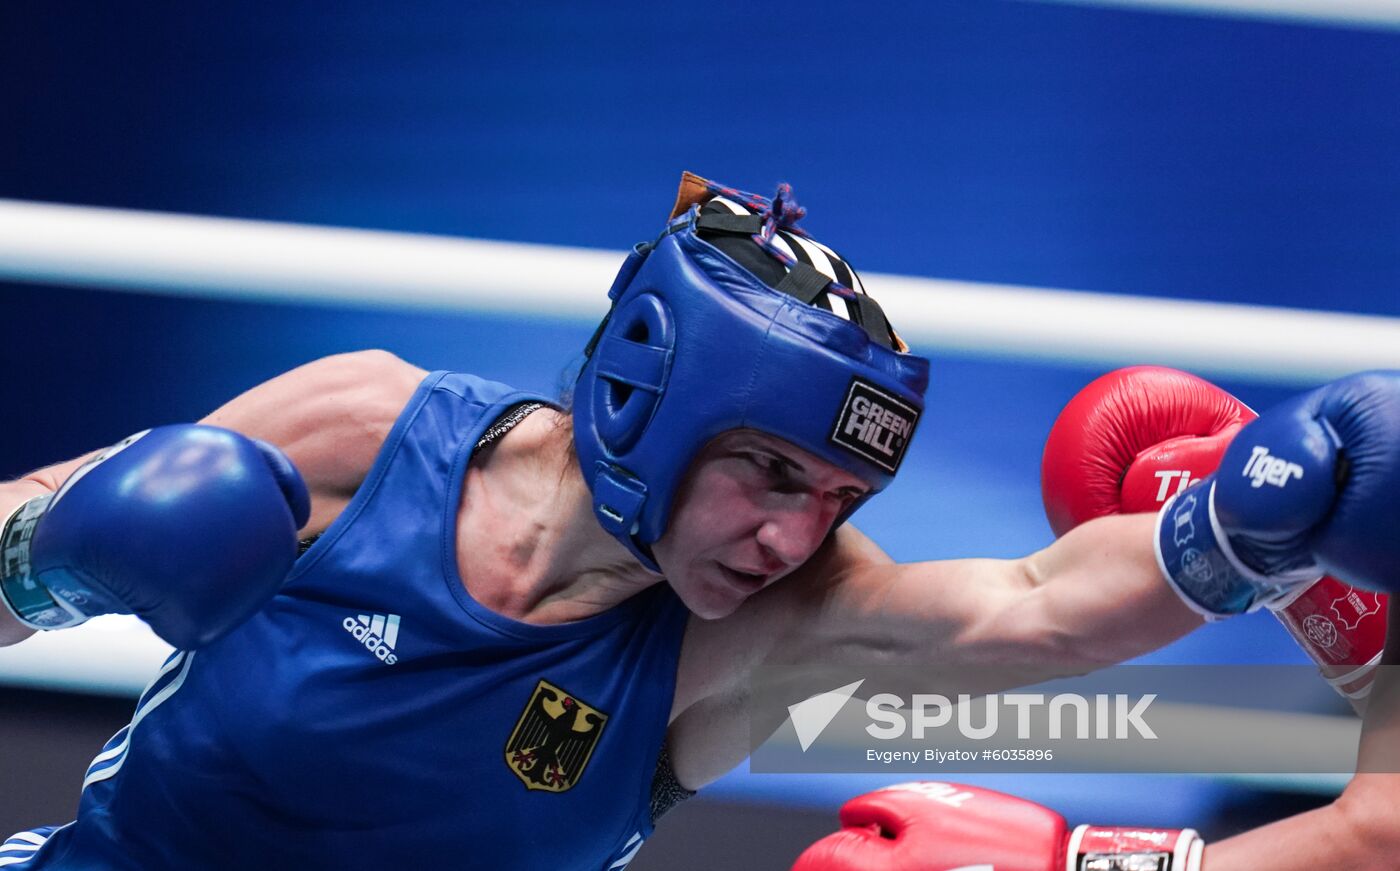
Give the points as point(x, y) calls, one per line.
point(330, 417)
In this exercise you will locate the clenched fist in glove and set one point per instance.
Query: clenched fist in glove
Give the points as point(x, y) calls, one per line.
point(946, 827)
point(1132, 439)
point(1309, 488)
point(191, 528)
point(1135, 438)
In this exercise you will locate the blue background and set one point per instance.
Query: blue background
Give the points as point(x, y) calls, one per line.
point(1176, 156)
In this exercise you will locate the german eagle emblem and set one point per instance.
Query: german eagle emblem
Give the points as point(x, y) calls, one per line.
point(553, 739)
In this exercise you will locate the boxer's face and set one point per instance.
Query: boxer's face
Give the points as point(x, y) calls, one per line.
point(751, 509)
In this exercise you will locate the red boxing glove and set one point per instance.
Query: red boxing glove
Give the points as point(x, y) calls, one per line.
point(1135, 437)
point(946, 827)
point(1132, 439)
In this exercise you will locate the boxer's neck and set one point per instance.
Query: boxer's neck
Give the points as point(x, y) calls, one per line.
point(528, 545)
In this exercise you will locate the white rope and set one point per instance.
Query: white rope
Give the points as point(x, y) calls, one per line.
point(1345, 13)
point(112, 655)
point(1261, 343)
point(187, 255)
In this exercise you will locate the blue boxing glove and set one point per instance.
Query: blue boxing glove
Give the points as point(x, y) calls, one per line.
point(1311, 487)
point(191, 528)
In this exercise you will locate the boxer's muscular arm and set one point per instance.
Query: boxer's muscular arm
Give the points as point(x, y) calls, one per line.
point(1093, 598)
point(329, 416)
point(1361, 829)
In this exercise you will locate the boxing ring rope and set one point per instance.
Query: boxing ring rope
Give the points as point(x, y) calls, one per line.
point(1344, 13)
point(241, 259)
point(185, 255)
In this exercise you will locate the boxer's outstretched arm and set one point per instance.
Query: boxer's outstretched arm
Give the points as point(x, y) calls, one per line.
point(1093, 598)
point(329, 416)
point(1361, 829)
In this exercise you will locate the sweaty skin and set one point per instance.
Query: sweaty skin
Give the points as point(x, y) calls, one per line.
point(748, 551)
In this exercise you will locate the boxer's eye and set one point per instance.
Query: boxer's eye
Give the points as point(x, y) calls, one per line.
point(774, 466)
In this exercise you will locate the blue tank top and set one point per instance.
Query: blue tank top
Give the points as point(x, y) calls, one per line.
point(374, 715)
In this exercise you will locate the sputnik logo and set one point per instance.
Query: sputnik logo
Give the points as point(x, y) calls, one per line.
point(811, 717)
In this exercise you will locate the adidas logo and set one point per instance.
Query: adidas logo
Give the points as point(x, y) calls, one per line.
point(378, 634)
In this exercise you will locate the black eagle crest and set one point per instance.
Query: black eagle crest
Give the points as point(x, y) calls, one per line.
point(553, 739)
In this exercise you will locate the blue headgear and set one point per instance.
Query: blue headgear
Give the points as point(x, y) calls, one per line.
point(697, 343)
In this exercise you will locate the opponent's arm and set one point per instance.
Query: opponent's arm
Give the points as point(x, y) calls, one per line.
point(942, 827)
point(1361, 829)
point(329, 416)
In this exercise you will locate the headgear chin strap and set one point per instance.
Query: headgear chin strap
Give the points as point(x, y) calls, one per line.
point(697, 343)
